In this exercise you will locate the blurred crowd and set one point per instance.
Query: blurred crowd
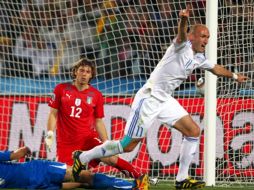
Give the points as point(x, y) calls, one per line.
point(42, 38)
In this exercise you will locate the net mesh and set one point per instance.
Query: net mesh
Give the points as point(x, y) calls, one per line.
point(41, 39)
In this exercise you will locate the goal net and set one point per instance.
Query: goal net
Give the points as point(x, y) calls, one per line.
point(41, 39)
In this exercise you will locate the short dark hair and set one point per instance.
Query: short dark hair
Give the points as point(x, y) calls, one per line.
point(83, 62)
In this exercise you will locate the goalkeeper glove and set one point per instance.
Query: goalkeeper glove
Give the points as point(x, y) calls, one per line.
point(49, 140)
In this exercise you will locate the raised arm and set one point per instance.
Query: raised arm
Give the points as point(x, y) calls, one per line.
point(183, 25)
point(221, 71)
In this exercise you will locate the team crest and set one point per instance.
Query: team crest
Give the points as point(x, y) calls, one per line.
point(77, 102)
point(89, 100)
point(53, 97)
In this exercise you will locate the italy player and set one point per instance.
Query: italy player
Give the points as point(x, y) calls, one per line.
point(77, 111)
point(43, 174)
point(154, 100)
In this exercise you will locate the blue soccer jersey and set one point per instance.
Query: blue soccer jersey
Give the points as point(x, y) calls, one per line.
point(36, 174)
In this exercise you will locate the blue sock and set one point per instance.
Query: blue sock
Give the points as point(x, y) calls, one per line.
point(101, 181)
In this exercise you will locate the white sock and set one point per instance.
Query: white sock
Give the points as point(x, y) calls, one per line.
point(108, 148)
point(187, 152)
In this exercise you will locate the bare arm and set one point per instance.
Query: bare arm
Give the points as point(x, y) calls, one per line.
point(101, 129)
point(221, 71)
point(183, 25)
point(51, 125)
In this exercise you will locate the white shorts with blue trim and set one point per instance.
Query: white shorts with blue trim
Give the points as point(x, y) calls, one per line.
point(146, 108)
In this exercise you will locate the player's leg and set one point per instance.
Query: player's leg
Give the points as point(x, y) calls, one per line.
point(144, 111)
point(181, 120)
point(108, 148)
point(125, 167)
point(189, 145)
point(122, 165)
point(187, 126)
point(134, 133)
point(175, 115)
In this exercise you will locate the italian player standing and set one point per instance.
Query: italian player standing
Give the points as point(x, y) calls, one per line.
point(77, 112)
point(154, 101)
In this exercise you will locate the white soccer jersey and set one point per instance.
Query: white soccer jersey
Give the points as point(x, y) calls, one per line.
point(176, 65)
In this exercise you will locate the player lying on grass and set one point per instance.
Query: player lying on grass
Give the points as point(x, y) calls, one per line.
point(44, 174)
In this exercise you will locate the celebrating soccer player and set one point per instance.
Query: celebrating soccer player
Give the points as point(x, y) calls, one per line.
point(154, 101)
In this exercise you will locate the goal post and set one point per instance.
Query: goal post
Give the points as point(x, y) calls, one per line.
point(210, 96)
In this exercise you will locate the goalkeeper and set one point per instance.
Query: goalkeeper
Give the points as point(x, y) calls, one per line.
point(76, 114)
point(43, 174)
point(154, 101)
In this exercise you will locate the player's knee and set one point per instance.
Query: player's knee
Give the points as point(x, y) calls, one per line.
point(187, 127)
point(196, 132)
point(189, 130)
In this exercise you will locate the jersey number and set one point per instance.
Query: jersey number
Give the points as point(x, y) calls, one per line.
point(75, 112)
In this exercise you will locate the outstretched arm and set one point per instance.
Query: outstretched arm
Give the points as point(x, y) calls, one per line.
point(221, 71)
point(183, 25)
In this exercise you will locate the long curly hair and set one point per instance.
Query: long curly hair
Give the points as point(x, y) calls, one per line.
point(83, 62)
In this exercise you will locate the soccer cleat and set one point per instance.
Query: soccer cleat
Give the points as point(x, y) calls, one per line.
point(77, 165)
point(189, 184)
point(142, 183)
point(153, 181)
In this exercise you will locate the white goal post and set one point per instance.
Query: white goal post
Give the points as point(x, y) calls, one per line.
point(210, 96)
point(41, 39)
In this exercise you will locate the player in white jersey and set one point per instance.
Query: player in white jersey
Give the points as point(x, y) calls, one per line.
point(154, 101)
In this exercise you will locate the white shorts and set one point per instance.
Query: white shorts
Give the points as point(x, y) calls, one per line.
point(146, 108)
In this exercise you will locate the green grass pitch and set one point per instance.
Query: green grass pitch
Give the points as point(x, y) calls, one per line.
point(170, 186)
